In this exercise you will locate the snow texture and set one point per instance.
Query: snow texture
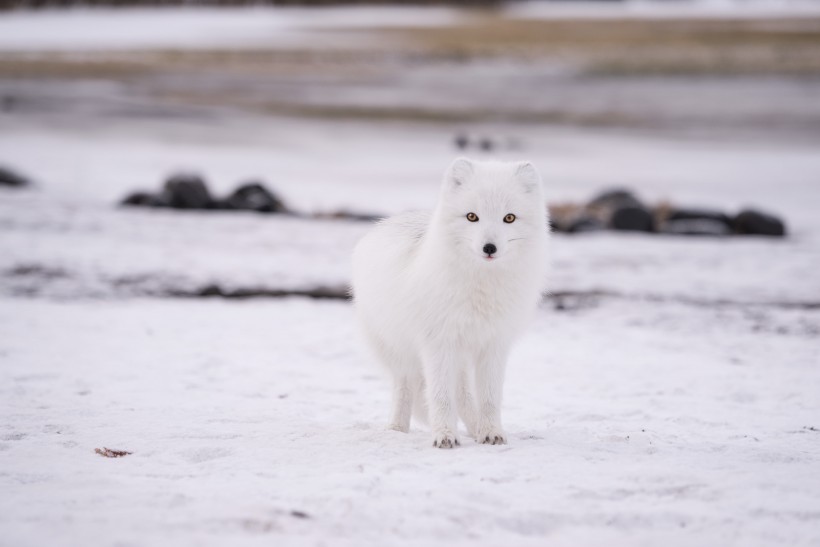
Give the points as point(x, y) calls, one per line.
point(257, 421)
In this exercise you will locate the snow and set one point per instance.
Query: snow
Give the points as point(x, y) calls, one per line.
point(680, 408)
point(132, 29)
point(654, 9)
point(679, 427)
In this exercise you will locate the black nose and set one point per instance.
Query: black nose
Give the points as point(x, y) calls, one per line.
point(489, 248)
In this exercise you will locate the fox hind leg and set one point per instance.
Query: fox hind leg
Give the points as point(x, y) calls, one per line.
point(403, 389)
point(402, 404)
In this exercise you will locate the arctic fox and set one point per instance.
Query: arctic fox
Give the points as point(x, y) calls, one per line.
point(441, 296)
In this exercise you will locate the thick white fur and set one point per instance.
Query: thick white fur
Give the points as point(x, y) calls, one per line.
point(441, 315)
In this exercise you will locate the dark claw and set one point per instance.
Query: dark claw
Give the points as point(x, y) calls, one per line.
point(446, 443)
point(497, 439)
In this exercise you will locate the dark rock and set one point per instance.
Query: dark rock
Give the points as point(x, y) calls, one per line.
point(699, 214)
point(462, 141)
point(632, 218)
point(145, 199)
point(619, 209)
point(615, 198)
point(698, 222)
point(696, 227)
point(10, 178)
point(751, 222)
point(187, 191)
point(211, 290)
point(254, 197)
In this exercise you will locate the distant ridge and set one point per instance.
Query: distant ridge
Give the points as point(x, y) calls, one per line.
point(37, 4)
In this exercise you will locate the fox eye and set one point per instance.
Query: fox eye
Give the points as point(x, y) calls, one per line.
point(510, 218)
point(472, 217)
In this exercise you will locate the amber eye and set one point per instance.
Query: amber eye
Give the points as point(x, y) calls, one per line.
point(472, 217)
point(509, 219)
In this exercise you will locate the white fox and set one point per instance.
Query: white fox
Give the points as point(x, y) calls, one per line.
point(440, 297)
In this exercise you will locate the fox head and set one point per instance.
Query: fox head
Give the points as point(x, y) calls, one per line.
point(492, 211)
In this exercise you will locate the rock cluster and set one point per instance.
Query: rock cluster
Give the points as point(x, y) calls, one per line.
point(484, 143)
point(189, 191)
point(615, 209)
point(620, 209)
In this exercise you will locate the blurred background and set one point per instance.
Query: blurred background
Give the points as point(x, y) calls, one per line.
point(691, 112)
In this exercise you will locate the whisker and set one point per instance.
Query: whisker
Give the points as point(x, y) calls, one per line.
point(516, 239)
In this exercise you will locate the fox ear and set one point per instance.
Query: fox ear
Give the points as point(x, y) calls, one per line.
point(459, 173)
point(528, 177)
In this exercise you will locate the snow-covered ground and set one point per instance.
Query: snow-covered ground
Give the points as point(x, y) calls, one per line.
point(259, 422)
point(684, 409)
point(104, 29)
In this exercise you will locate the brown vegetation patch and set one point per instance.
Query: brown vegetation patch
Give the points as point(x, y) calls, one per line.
point(108, 453)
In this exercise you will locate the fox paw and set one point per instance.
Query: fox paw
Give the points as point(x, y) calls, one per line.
point(492, 437)
point(445, 440)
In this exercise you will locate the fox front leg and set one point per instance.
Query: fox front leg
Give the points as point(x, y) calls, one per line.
point(440, 372)
point(489, 378)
